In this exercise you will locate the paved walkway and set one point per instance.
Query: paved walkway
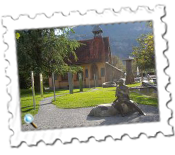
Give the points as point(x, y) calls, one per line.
point(50, 117)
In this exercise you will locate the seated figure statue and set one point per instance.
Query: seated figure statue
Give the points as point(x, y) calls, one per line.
point(123, 100)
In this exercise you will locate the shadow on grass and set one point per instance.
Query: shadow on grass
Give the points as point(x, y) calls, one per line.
point(26, 107)
point(29, 109)
point(27, 100)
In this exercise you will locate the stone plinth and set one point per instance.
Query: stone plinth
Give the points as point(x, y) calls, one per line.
point(104, 110)
point(129, 73)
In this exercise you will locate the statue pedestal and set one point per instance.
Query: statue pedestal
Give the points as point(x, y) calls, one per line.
point(103, 110)
point(125, 109)
point(106, 110)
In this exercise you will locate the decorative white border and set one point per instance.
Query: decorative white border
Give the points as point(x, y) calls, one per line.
point(133, 130)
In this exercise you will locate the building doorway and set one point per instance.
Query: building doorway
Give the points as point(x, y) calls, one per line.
point(94, 73)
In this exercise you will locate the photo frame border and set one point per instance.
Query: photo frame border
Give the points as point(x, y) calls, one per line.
point(158, 141)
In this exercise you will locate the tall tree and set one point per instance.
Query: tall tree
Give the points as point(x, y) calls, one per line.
point(117, 62)
point(44, 51)
point(144, 52)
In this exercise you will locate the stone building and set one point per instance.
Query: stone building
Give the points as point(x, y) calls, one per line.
point(94, 56)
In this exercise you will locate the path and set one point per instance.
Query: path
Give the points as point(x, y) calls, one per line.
point(50, 117)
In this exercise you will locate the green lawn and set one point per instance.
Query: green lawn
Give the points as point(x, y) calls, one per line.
point(100, 96)
point(27, 100)
point(143, 99)
point(89, 97)
point(135, 85)
point(27, 106)
point(86, 99)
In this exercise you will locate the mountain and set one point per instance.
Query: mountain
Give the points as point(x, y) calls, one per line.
point(122, 36)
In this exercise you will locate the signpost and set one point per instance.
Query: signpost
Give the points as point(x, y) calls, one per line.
point(70, 82)
point(41, 84)
point(80, 81)
point(33, 89)
point(129, 73)
point(53, 84)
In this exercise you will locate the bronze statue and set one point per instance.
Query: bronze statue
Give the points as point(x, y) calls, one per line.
point(123, 100)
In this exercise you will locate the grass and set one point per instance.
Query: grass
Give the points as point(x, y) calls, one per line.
point(89, 97)
point(86, 99)
point(135, 84)
point(100, 96)
point(143, 99)
point(27, 106)
point(27, 100)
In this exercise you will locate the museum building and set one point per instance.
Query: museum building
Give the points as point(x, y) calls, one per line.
point(94, 56)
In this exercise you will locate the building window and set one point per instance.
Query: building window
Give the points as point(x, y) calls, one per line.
point(86, 73)
point(102, 72)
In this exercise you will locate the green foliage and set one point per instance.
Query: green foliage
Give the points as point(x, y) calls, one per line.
point(44, 51)
point(17, 35)
point(149, 24)
point(117, 62)
point(144, 53)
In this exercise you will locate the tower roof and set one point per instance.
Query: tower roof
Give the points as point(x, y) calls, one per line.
point(97, 29)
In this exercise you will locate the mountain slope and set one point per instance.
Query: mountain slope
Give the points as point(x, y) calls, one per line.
point(122, 36)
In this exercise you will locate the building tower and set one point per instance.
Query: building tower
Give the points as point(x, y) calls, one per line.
point(97, 31)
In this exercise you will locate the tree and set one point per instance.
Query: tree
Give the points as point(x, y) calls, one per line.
point(44, 51)
point(117, 62)
point(144, 53)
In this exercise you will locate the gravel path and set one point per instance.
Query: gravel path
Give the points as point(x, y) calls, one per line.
point(50, 117)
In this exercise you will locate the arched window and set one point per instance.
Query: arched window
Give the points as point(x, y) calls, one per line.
point(94, 71)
